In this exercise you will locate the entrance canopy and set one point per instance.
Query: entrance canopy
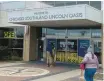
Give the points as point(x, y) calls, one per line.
point(76, 15)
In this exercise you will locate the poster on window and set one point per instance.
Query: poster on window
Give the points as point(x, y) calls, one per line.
point(82, 47)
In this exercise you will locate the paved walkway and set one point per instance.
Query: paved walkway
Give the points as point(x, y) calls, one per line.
point(22, 71)
point(37, 71)
point(60, 77)
point(66, 76)
point(6, 64)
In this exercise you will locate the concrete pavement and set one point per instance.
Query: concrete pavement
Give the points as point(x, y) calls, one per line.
point(60, 77)
point(38, 71)
point(8, 64)
point(66, 76)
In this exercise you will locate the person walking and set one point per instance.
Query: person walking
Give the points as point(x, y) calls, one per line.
point(91, 64)
point(53, 54)
point(49, 55)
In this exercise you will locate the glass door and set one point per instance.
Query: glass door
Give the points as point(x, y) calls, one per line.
point(40, 49)
point(71, 53)
point(66, 50)
point(97, 48)
point(60, 51)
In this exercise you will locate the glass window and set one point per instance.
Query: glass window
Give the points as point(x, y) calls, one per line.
point(51, 3)
point(59, 3)
point(72, 46)
point(97, 46)
point(43, 32)
point(19, 32)
point(1, 33)
point(4, 42)
point(68, 3)
point(97, 49)
point(96, 4)
point(56, 32)
point(83, 2)
point(79, 32)
point(60, 32)
point(61, 44)
point(96, 33)
point(17, 52)
point(51, 31)
point(16, 43)
point(7, 33)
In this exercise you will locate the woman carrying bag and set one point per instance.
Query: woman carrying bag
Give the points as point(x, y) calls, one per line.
point(90, 64)
point(82, 67)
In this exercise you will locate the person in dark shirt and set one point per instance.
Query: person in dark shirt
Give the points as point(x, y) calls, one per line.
point(49, 55)
point(49, 48)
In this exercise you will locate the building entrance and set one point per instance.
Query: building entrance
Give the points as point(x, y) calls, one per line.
point(69, 50)
point(40, 49)
point(71, 43)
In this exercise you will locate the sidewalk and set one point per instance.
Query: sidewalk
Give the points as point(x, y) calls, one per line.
point(66, 76)
point(8, 64)
point(60, 77)
point(38, 71)
point(26, 71)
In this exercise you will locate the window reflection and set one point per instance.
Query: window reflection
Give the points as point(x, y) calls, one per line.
point(72, 45)
point(97, 46)
point(56, 32)
point(51, 31)
point(68, 3)
point(60, 32)
point(59, 3)
point(19, 32)
point(83, 2)
point(97, 49)
point(79, 32)
point(15, 43)
point(61, 45)
point(96, 33)
point(43, 32)
point(96, 4)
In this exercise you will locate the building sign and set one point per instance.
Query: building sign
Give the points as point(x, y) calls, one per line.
point(9, 34)
point(46, 16)
point(82, 47)
point(55, 13)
